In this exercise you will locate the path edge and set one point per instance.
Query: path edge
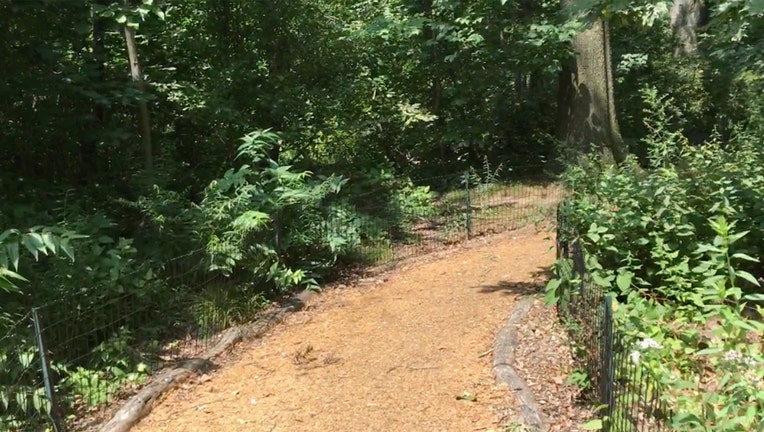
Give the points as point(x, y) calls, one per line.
point(141, 404)
point(504, 358)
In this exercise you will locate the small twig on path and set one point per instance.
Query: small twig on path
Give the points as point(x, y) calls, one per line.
point(422, 367)
point(485, 353)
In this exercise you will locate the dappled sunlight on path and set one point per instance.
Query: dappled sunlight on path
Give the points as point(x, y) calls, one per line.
point(388, 357)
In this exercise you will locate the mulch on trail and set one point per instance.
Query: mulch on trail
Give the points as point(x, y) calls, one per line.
point(406, 354)
point(409, 351)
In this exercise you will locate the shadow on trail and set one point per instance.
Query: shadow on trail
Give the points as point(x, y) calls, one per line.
point(535, 284)
point(513, 288)
point(544, 273)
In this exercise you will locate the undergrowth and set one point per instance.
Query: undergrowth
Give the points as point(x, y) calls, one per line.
point(678, 246)
point(117, 305)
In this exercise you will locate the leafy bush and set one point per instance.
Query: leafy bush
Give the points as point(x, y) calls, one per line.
point(409, 204)
point(679, 246)
point(115, 365)
point(260, 218)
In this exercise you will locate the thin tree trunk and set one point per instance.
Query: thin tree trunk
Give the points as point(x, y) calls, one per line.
point(143, 109)
point(436, 83)
point(89, 146)
point(430, 34)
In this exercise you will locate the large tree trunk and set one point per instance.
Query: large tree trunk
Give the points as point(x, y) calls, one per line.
point(143, 109)
point(687, 16)
point(586, 100)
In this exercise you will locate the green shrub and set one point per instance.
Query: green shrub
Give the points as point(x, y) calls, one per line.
point(679, 247)
point(265, 219)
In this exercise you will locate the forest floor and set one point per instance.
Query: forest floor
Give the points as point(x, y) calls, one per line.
point(410, 352)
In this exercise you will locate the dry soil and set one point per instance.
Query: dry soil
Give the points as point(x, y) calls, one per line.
point(411, 352)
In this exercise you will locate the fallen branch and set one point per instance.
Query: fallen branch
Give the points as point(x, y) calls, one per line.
point(140, 405)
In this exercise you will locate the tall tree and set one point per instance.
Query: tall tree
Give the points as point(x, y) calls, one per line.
point(586, 99)
point(143, 109)
point(687, 16)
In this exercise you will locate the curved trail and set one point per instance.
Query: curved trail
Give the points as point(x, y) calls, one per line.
point(388, 357)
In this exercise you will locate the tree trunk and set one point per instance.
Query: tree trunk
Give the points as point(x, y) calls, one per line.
point(431, 35)
point(143, 109)
point(586, 100)
point(89, 145)
point(687, 16)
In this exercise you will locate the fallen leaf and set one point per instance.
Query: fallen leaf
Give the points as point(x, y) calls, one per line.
point(467, 396)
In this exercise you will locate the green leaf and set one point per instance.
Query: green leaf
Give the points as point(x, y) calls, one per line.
point(747, 276)
point(709, 351)
point(552, 296)
point(21, 400)
point(623, 281)
point(26, 359)
point(600, 281)
point(67, 248)
point(755, 7)
point(34, 244)
point(7, 286)
point(595, 424)
point(12, 249)
point(50, 241)
point(744, 257)
point(737, 236)
point(5, 280)
point(250, 220)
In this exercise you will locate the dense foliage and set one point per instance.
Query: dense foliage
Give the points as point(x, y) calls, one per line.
point(679, 247)
point(150, 147)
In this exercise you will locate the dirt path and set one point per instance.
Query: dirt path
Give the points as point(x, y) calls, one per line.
point(387, 357)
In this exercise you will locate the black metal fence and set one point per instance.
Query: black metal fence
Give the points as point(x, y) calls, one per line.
point(61, 363)
point(445, 210)
point(628, 399)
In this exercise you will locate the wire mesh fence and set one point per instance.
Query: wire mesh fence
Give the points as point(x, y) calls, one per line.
point(629, 400)
point(446, 210)
point(23, 402)
point(63, 361)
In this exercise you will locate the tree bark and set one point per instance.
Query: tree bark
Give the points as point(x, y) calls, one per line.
point(143, 109)
point(687, 16)
point(586, 100)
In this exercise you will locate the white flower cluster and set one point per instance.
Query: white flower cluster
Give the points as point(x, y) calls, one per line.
point(648, 343)
point(643, 345)
point(734, 356)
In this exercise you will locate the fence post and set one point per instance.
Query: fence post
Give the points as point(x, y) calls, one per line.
point(468, 211)
point(607, 383)
point(55, 415)
point(562, 243)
